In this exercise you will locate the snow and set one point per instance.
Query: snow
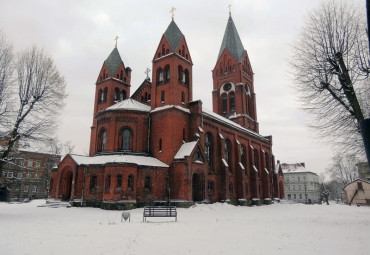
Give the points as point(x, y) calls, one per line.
point(118, 158)
point(185, 150)
point(203, 229)
point(166, 107)
point(129, 105)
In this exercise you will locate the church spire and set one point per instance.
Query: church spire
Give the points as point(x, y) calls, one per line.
point(231, 41)
point(113, 61)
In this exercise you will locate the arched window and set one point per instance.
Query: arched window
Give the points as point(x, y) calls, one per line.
point(256, 161)
point(123, 95)
point(130, 182)
point(116, 94)
point(243, 156)
point(166, 73)
point(105, 94)
point(159, 75)
point(126, 139)
point(209, 148)
point(121, 75)
point(102, 140)
point(224, 104)
point(100, 96)
point(228, 152)
point(180, 74)
point(119, 181)
point(211, 185)
point(232, 101)
point(107, 184)
point(186, 77)
point(148, 182)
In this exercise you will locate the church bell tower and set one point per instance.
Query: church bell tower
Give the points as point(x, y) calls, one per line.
point(233, 90)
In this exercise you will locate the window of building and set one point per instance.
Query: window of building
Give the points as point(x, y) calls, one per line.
point(19, 175)
point(21, 162)
point(104, 95)
point(224, 103)
point(166, 73)
point(123, 95)
point(130, 181)
point(126, 139)
point(181, 75)
point(209, 148)
point(36, 176)
point(231, 188)
point(186, 82)
point(298, 178)
point(119, 181)
point(182, 97)
point(160, 75)
point(228, 152)
point(299, 187)
point(34, 189)
point(295, 196)
point(10, 174)
point(211, 185)
point(243, 158)
point(25, 188)
point(38, 163)
point(29, 163)
point(163, 96)
point(102, 140)
point(116, 94)
point(160, 145)
point(93, 182)
point(107, 184)
point(256, 161)
point(359, 185)
point(232, 101)
point(147, 183)
point(300, 196)
point(289, 196)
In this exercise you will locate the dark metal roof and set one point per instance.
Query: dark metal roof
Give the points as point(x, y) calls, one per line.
point(232, 42)
point(173, 35)
point(113, 61)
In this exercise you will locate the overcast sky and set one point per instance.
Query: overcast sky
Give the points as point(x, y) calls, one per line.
point(79, 36)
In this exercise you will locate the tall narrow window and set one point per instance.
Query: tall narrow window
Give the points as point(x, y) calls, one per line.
point(107, 184)
point(180, 74)
point(160, 144)
point(228, 152)
point(243, 157)
point(186, 77)
point(123, 97)
point(105, 94)
point(167, 73)
point(160, 75)
point(121, 75)
point(126, 139)
point(148, 182)
point(100, 95)
point(163, 96)
point(119, 181)
point(130, 181)
point(183, 97)
point(116, 94)
point(256, 161)
point(209, 148)
point(224, 103)
point(232, 101)
point(102, 140)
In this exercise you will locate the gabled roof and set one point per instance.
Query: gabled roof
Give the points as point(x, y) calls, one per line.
point(173, 35)
point(185, 150)
point(232, 42)
point(117, 158)
point(129, 105)
point(113, 61)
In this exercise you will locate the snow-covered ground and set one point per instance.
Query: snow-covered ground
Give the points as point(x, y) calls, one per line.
point(202, 229)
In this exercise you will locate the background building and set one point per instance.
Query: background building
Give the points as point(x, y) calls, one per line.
point(300, 185)
point(27, 174)
point(363, 171)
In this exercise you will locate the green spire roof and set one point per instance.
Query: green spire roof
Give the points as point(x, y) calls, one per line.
point(173, 35)
point(113, 61)
point(232, 42)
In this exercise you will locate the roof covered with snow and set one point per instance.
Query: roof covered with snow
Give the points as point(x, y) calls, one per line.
point(45, 146)
point(185, 150)
point(118, 158)
point(170, 107)
point(231, 123)
point(294, 168)
point(129, 105)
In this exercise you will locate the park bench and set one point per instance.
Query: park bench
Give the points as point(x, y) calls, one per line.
point(159, 211)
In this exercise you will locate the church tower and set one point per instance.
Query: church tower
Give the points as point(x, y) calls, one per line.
point(172, 70)
point(112, 85)
point(233, 90)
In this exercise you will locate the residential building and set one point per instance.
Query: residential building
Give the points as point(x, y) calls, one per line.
point(300, 184)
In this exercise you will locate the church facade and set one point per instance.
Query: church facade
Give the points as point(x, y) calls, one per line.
point(159, 145)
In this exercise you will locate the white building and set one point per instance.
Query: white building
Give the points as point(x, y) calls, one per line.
point(300, 185)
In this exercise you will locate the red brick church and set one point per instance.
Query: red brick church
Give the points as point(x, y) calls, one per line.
point(159, 144)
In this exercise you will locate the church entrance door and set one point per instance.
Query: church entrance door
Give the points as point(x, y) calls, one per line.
point(65, 190)
point(198, 187)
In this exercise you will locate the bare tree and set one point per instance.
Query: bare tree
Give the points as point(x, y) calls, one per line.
point(6, 71)
point(41, 92)
point(330, 65)
point(343, 169)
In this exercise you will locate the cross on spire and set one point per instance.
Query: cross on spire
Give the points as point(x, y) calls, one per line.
point(173, 9)
point(229, 9)
point(147, 73)
point(116, 39)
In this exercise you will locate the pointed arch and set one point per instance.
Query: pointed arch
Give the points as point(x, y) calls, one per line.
point(102, 140)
